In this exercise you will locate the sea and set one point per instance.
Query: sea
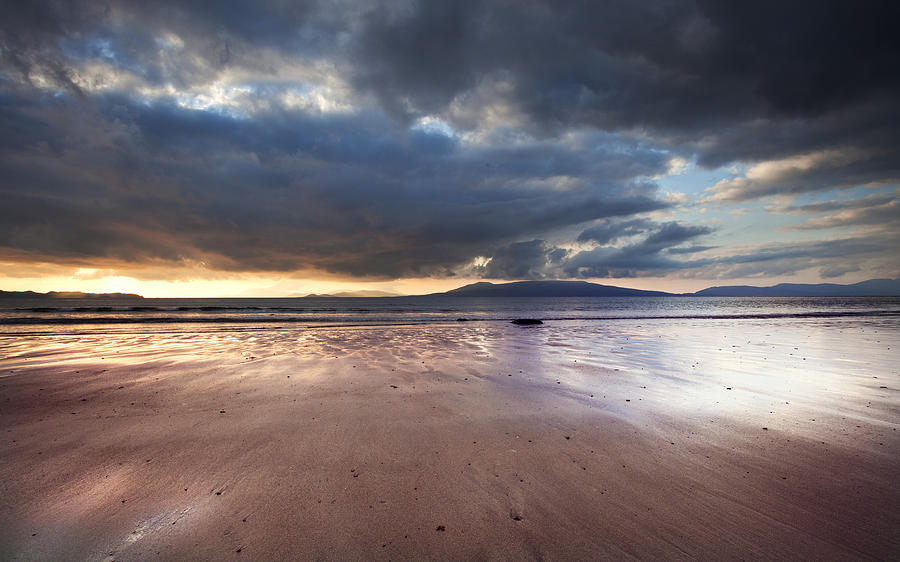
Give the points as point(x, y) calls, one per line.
point(17, 313)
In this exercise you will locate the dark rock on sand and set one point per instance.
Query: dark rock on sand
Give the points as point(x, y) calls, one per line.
point(526, 321)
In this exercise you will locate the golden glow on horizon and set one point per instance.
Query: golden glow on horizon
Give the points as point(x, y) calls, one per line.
point(197, 281)
point(229, 287)
point(244, 285)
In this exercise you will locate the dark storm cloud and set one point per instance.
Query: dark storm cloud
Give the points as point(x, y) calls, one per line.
point(537, 259)
point(678, 67)
point(122, 140)
point(726, 81)
point(639, 258)
point(522, 260)
point(350, 194)
point(672, 65)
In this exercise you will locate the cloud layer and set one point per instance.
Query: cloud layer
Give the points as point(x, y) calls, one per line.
point(414, 139)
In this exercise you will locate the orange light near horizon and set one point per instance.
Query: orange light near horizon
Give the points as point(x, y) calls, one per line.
point(199, 283)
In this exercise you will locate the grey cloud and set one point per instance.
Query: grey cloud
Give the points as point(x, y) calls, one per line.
point(690, 249)
point(870, 252)
point(640, 258)
point(350, 194)
point(818, 249)
point(817, 171)
point(674, 233)
point(537, 259)
point(884, 216)
point(610, 231)
point(670, 65)
point(51, 38)
point(522, 260)
point(837, 270)
point(832, 258)
point(873, 200)
point(723, 81)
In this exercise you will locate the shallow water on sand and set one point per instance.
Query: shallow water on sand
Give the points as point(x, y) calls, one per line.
point(773, 437)
point(802, 355)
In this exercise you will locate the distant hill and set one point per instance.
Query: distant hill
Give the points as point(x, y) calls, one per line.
point(548, 289)
point(870, 288)
point(68, 295)
point(355, 294)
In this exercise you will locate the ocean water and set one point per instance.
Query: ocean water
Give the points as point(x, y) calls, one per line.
point(427, 309)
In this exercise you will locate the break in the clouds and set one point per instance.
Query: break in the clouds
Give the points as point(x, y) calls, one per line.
point(430, 139)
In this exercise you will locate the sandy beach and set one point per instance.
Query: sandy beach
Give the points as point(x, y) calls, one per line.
point(572, 440)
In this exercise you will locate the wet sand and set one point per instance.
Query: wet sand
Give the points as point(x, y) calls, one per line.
point(665, 439)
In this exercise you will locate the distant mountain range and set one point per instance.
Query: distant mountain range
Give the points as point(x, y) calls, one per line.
point(871, 288)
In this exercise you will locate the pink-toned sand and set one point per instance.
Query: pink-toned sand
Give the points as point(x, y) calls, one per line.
point(566, 441)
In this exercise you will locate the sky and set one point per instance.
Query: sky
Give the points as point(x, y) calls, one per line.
point(278, 148)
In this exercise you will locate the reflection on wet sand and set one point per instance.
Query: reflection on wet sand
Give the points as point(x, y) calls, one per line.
point(662, 438)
